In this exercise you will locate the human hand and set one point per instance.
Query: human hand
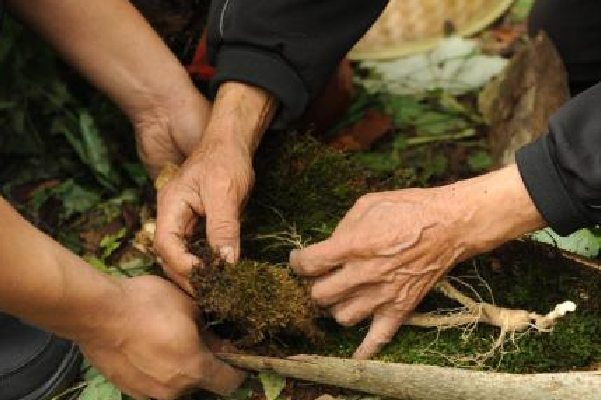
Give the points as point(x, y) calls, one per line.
point(150, 346)
point(168, 133)
point(214, 181)
point(391, 248)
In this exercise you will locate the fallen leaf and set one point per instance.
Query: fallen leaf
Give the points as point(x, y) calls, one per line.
point(362, 134)
point(273, 384)
point(582, 242)
point(456, 65)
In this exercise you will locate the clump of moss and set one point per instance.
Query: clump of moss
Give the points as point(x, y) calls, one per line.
point(257, 300)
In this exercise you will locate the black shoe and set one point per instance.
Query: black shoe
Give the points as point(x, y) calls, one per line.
point(34, 365)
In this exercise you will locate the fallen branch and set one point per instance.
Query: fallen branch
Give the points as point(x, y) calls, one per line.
point(417, 382)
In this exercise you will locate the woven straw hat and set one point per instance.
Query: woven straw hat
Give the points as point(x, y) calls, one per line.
point(411, 26)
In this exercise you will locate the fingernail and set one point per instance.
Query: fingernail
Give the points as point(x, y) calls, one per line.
point(227, 253)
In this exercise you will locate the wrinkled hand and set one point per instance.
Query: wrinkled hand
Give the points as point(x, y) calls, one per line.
point(215, 182)
point(151, 348)
point(384, 256)
point(391, 248)
point(168, 133)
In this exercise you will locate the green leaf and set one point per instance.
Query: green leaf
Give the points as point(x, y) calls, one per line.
point(582, 242)
point(81, 132)
point(439, 165)
point(480, 161)
point(100, 389)
point(436, 123)
point(97, 263)
point(137, 173)
point(273, 384)
point(403, 109)
point(97, 154)
point(379, 162)
point(89, 371)
point(75, 198)
point(110, 243)
point(58, 94)
point(520, 10)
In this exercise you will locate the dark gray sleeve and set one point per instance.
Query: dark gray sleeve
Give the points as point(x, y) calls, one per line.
point(562, 170)
point(287, 47)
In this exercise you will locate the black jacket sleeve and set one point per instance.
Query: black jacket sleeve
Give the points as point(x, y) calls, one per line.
point(287, 47)
point(562, 170)
point(1, 15)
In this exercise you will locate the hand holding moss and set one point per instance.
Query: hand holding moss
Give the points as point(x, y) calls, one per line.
point(392, 247)
point(213, 182)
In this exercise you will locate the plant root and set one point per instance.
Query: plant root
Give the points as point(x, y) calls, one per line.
point(511, 322)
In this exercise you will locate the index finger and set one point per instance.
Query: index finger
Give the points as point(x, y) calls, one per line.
point(319, 258)
point(383, 328)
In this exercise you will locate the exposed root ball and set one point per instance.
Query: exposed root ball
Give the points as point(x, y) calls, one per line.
point(260, 300)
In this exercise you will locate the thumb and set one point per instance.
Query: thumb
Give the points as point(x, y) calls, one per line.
point(383, 328)
point(223, 229)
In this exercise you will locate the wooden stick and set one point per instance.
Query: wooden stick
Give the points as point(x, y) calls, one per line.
point(418, 382)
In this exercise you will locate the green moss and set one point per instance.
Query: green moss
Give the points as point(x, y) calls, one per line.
point(532, 277)
point(304, 184)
